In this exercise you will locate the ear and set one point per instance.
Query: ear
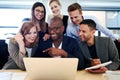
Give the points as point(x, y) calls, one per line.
point(93, 31)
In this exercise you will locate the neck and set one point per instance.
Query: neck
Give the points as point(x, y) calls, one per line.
point(57, 42)
point(61, 16)
point(91, 41)
point(29, 45)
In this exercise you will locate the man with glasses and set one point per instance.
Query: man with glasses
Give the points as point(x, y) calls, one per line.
point(60, 46)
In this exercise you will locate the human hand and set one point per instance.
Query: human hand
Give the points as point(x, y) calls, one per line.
point(99, 70)
point(19, 38)
point(55, 52)
point(118, 40)
point(46, 36)
point(95, 62)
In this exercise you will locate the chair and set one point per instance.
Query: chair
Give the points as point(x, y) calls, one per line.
point(3, 53)
point(118, 48)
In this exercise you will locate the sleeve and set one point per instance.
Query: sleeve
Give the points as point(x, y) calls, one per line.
point(102, 29)
point(17, 57)
point(68, 31)
point(113, 55)
point(76, 52)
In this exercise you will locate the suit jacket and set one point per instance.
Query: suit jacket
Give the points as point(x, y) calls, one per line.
point(15, 60)
point(106, 51)
point(69, 44)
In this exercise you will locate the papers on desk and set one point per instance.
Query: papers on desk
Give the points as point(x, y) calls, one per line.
point(5, 75)
point(99, 65)
point(12, 75)
point(112, 75)
point(19, 76)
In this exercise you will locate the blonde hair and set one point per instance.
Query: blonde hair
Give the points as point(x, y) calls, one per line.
point(57, 1)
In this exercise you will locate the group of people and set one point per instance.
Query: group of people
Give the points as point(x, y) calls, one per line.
point(60, 38)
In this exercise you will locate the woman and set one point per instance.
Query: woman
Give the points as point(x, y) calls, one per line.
point(55, 7)
point(38, 18)
point(24, 44)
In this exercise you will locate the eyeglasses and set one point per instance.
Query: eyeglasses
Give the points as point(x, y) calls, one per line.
point(54, 29)
point(38, 11)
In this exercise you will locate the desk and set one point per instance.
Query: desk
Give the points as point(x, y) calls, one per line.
point(81, 75)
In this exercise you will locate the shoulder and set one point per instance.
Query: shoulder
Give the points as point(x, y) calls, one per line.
point(103, 39)
point(12, 41)
point(43, 42)
point(91, 17)
point(69, 39)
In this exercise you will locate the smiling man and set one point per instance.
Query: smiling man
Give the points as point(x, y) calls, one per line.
point(97, 49)
point(58, 45)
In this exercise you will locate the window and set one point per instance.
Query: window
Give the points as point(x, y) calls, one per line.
point(11, 19)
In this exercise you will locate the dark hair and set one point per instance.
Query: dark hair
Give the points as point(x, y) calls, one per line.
point(90, 23)
point(42, 22)
point(57, 21)
point(26, 27)
point(75, 6)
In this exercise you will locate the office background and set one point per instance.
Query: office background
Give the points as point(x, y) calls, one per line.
point(12, 12)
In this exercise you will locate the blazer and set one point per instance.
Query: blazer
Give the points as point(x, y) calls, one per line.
point(15, 60)
point(69, 44)
point(106, 51)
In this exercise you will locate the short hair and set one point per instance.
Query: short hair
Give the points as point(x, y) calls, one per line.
point(75, 6)
point(57, 1)
point(90, 23)
point(57, 21)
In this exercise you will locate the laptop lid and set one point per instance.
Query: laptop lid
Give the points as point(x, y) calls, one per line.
point(51, 68)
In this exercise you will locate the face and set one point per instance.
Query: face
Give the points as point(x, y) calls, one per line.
point(31, 36)
point(39, 12)
point(75, 16)
point(55, 8)
point(85, 33)
point(56, 32)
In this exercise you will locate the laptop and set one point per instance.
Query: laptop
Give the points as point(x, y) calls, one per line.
point(51, 68)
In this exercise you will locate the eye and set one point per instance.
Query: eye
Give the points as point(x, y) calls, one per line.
point(29, 33)
point(51, 8)
point(35, 33)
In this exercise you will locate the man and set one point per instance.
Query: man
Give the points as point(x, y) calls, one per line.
point(97, 49)
point(76, 16)
point(58, 45)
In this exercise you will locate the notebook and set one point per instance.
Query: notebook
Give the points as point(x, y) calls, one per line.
point(51, 68)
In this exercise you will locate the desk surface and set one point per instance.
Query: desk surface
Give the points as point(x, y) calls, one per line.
point(81, 75)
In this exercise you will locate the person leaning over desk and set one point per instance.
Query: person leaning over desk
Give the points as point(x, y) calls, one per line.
point(76, 16)
point(59, 45)
point(24, 44)
point(100, 49)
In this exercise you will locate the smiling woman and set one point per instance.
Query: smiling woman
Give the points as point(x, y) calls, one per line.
point(24, 44)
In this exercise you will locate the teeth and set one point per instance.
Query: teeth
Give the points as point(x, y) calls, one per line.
point(53, 35)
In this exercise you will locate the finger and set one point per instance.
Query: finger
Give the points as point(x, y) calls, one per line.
point(46, 50)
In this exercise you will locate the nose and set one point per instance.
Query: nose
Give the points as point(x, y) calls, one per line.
point(73, 19)
point(79, 33)
point(51, 31)
point(32, 35)
point(40, 13)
